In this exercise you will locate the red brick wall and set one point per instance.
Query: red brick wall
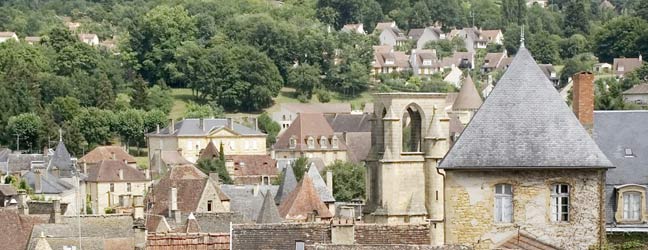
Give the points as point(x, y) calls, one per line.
point(583, 98)
point(371, 234)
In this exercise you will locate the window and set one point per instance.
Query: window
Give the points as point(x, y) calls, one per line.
point(69, 247)
point(128, 187)
point(560, 202)
point(112, 187)
point(503, 203)
point(265, 180)
point(322, 142)
point(411, 130)
point(628, 152)
point(632, 206)
point(293, 142)
point(299, 245)
point(209, 206)
point(311, 143)
point(334, 142)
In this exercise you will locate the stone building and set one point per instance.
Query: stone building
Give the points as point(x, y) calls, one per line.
point(112, 183)
point(525, 167)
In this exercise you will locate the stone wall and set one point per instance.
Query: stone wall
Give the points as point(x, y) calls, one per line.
point(279, 236)
point(383, 247)
point(44, 207)
point(469, 210)
point(373, 234)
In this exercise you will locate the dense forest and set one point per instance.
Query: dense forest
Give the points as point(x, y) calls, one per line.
point(236, 55)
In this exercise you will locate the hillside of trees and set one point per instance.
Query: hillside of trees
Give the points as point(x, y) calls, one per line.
point(236, 55)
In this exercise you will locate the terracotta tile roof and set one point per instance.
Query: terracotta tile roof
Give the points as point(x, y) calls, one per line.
point(302, 201)
point(179, 241)
point(468, 98)
point(16, 229)
point(7, 34)
point(504, 64)
point(384, 25)
point(490, 35)
point(308, 125)
point(253, 165)
point(639, 89)
point(625, 65)
point(105, 153)
point(522, 241)
point(173, 157)
point(210, 152)
point(108, 171)
point(493, 60)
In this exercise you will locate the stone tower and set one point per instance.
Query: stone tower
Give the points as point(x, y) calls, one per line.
point(409, 138)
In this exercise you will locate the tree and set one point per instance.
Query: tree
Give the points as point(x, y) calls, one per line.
point(305, 78)
point(512, 38)
point(26, 128)
point(348, 180)
point(608, 95)
point(195, 110)
point(104, 96)
point(129, 125)
point(215, 166)
point(582, 62)
point(64, 109)
point(619, 38)
point(159, 97)
point(153, 119)
point(642, 10)
point(95, 125)
point(572, 46)
point(513, 12)
point(576, 17)
point(140, 94)
point(544, 47)
point(300, 166)
point(270, 127)
point(122, 101)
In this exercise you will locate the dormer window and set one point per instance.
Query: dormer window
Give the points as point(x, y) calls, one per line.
point(628, 153)
point(292, 143)
point(323, 142)
point(620, 68)
point(427, 62)
point(310, 142)
point(389, 61)
point(553, 74)
point(334, 142)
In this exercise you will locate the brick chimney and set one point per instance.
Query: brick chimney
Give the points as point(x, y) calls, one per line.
point(583, 98)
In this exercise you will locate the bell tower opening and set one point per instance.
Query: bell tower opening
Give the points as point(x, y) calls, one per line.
point(411, 135)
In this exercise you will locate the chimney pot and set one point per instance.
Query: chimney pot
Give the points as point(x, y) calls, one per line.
point(121, 174)
point(171, 126)
point(113, 156)
point(157, 128)
point(583, 98)
point(38, 188)
point(23, 208)
point(230, 123)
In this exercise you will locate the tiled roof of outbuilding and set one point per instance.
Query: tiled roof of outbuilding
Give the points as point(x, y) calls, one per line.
point(468, 98)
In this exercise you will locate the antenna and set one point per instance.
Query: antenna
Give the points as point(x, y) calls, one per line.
point(522, 37)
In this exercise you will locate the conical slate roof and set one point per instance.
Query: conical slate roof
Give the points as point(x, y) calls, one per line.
point(288, 184)
point(302, 201)
point(524, 123)
point(468, 98)
point(61, 157)
point(269, 212)
point(320, 185)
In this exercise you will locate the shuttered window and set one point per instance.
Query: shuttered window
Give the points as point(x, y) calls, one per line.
point(503, 203)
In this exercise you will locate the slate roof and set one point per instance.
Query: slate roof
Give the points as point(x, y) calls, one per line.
point(359, 145)
point(210, 152)
point(628, 65)
point(22, 162)
point(219, 222)
point(302, 201)
point(8, 190)
point(62, 160)
point(269, 212)
point(639, 89)
point(192, 127)
point(415, 33)
point(320, 185)
point(524, 123)
point(288, 184)
point(468, 98)
point(304, 126)
point(97, 232)
point(108, 171)
point(4, 154)
point(105, 153)
point(50, 184)
point(16, 229)
point(493, 60)
point(349, 122)
point(244, 201)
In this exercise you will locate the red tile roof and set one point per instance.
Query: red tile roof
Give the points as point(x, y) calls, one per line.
point(108, 171)
point(183, 241)
point(16, 229)
point(308, 125)
point(105, 153)
point(253, 165)
point(302, 201)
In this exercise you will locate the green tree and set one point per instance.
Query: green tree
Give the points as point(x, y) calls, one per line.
point(270, 127)
point(513, 12)
point(195, 110)
point(305, 78)
point(104, 96)
point(582, 62)
point(64, 108)
point(348, 180)
point(544, 47)
point(159, 97)
point(95, 125)
point(153, 119)
point(512, 38)
point(129, 125)
point(26, 128)
point(618, 38)
point(608, 95)
point(572, 46)
point(300, 166)
point(215, 166)
point(576, 17)
point(140, 94)
point(122, 101)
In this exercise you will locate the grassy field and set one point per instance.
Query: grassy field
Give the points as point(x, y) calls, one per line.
point(180, 99)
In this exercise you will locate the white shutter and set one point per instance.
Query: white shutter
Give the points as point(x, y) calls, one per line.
point(626, 206)
point(498, 209)
point(507, 209)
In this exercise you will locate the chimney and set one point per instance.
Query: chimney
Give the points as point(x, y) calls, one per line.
point(157, 128)
point(23, 208)
point(201, 124)
point(329, 181)
point(138, 204)
point(173, 201)
point(45, 150)
point(85, 167)
point(38, 188)
point(56, 217)
point(230, 123)
point(256, 124)
point(583, 98)
point(147, 173)
point(113, 156)
point(255, 192)
point(171, 126)
point(121, 174)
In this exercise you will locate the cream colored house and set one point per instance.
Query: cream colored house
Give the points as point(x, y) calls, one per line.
point(112, 184)
point(190, 136)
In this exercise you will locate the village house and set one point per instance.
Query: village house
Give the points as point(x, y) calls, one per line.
point(252, 169)
point(289, 111)
point(310, 136)
point(5, 36)
point(477, 38)
point(33, 40)
point(112, 184)
point(429, 34)
point(541, 3)
point(386, 60)
point(600, 68)
point(102, 153)
point(8, 195)
point(391, 36)
point(550, 73)
point(355, 130)
point(622, 66)
point(424, 62)
point(16, 227)
point(90, 39)
point(354, 28)
point(626, 184)
point(542, 176)
point(190, 136)
point(638, 94)
point(492, 61)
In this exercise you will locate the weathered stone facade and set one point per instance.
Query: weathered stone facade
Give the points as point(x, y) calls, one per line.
point(469, 210)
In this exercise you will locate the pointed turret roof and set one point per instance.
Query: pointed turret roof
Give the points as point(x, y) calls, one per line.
point(524, 123)
point(210, 152)
point(468, 98)
point(61, 158)
point(192, 224)
point(288, 184)
point(302, 201)
point(320, 185)
point(269, 212)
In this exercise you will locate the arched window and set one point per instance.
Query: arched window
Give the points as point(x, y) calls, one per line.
point(631, 206)
point(560, 202)
point(503, 203)
point(323, 142)
point(310, 142)
point(411, 135)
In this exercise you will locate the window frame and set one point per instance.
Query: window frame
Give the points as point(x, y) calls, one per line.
point(129, 187)
point(210, 206)
point(626, 206)
point(112, 187)
point(560, 207)
point(619, 214)
point(503, 197)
